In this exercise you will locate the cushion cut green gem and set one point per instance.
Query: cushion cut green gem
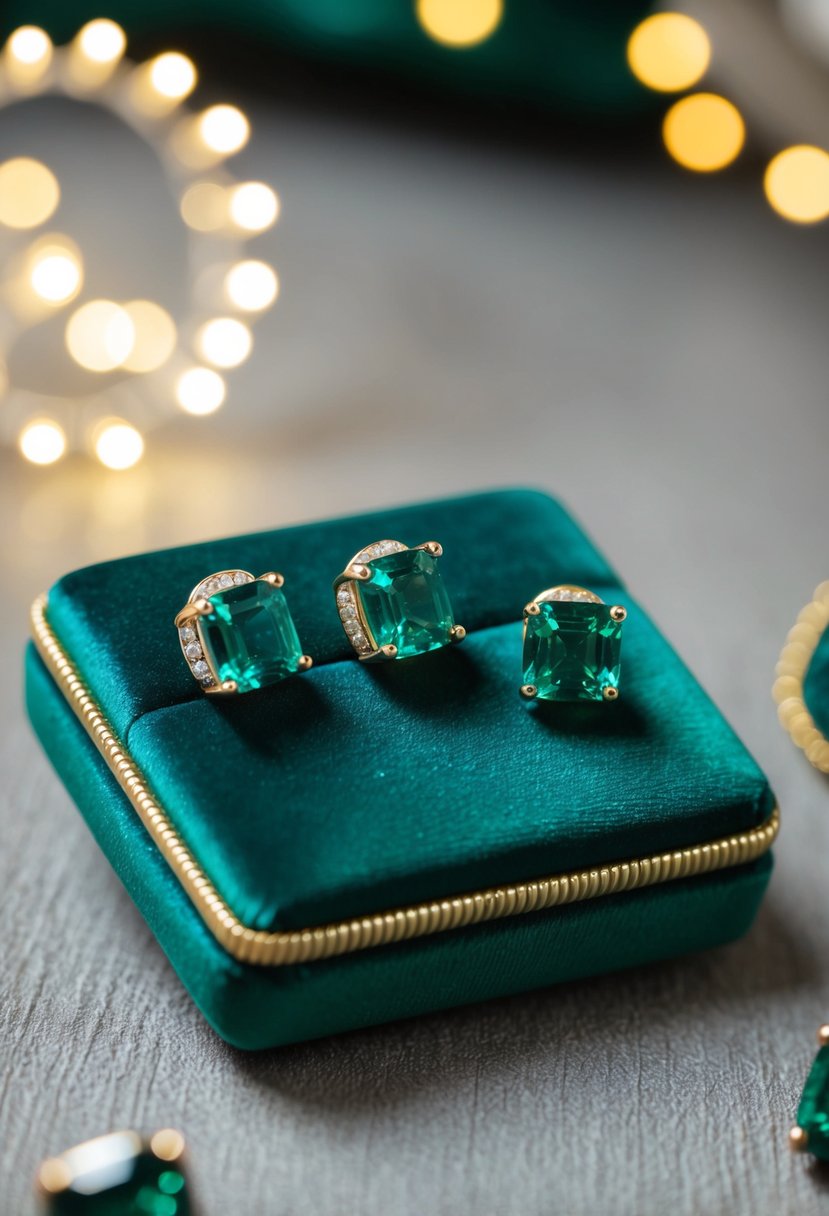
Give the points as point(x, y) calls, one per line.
point(250, 636)
point(813, 1111)
point(405, 603)
point(110, 1178)
point(571, 651)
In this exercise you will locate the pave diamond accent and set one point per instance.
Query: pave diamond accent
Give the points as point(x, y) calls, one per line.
point(200, 669)
point(193, 651)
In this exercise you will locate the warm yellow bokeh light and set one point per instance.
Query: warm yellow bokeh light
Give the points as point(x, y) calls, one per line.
point(42, 441)
point(155, 336)
point(173, 75)
point(200, 390)
point(797, 184)
point(100, 335)
point(703, 132)
point(253, 206)
point(30, 45)
point(669, 52)
point(459, 23)
point(204, 206)
point(102, 41)
point(224, 342)
point(29, 192)
point(251, 285)
point(118, 445)
point(224, 129)
point(55, 274)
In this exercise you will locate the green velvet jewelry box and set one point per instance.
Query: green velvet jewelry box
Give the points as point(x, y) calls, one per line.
point(363, 843)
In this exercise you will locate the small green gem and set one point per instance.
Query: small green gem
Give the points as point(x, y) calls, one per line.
point(250, 636)
point(405, 604)
point(110, 1178)
point(813, 1111)
point(571, 651)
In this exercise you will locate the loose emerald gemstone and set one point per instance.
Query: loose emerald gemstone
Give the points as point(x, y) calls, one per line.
point(813, 1112)
point(250, 636)
point(571, 651)
point(405, 603)
point(115, 1176)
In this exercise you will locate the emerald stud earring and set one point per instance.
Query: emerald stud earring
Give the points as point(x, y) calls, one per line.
point(811, 1132)
point(572, 644)
point(237, 633)
point(117, 1174)
point(393, 603)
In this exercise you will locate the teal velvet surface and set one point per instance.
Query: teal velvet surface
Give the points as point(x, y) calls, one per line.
point(255, 1007)
point(352, 789)
point(816, 685)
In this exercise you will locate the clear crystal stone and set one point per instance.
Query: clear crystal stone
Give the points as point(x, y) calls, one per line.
point(208, 682)
point(188, 634)
point(193, 651)
point(226, 580)
point(348, 612)
point(201, 669)
point(358, 640)
point(240, 577)
point(352, 627)
point(343, 596)
point(207, 588)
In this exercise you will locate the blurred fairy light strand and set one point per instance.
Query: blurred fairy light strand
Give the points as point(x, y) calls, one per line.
point(181, 365)
point(670, 52)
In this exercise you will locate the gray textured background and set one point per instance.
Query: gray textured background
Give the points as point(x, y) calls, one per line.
point(651, 347)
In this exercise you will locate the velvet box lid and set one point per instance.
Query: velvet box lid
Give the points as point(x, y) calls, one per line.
point(314, 856)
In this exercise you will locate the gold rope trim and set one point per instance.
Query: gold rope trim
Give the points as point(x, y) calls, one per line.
point(801, 643)
point(416, 920)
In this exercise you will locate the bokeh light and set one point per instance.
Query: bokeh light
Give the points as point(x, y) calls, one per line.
point(55, 273)
point(117, 444)
point(154, 338)
point(100, 335)
point(253, 206)
point(200, 390)
point(30, 45)
point(224, 129)
point(703, 132)
point(224, 342)
point(42, 441)
point(251, 285)
point(102, 41)
point(173, 75)
point(669, 52)
point(459, 23)
point(29, 192)
point(204, 206)
point(796, 183)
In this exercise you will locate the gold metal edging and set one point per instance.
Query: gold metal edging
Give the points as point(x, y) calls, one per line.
point(795, 657)
point(416, 920)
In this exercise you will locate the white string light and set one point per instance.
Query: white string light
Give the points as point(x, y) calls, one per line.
point(136, 354)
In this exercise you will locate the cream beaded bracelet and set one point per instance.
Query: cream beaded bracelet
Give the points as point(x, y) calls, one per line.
point(787, 691)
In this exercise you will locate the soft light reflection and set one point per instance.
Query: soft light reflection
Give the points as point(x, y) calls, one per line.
point(102, 41)
point(204, 206)
point(29, 192)
point(253, 206)
point(55, 273)
point(669, 52)
point(224, 129)
point(224, 342)
point(100, 335)
point(251, 285)
point(173, 75)
point(200, 390)
point(797, 184)
point(30, 45)
point(703, 132)
point(118, 445)
point(42, 441)
point(154, 336)
point(459, 23)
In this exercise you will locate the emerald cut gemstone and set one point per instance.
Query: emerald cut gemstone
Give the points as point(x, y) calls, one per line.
point(571, 651)
point(405, 603)
point(813, 1111)
point(250, 636)
point(114, 1175)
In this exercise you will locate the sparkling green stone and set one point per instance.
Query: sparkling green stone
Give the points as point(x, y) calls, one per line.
point(405, 604)
point(111, 1179)
point(571, 651)
point(813, 1111)
point(250, 636)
